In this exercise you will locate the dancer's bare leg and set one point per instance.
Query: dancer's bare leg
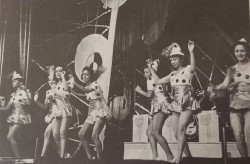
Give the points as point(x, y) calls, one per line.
point(152, 140)
point(95, 136)
point(47, 139)
point(158, 122)
point(184, 120)
point(83, 138)
point(175, 124)
point(237, 124)
point(64, 135)
point(56, 134)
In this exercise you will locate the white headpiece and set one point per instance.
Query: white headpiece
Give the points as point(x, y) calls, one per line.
point(243, 40)
point(16, 76)
point(173, 49)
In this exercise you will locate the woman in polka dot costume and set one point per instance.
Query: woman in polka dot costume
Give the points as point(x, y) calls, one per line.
point(98, 113)
point(20, 100)
point(158, 114)
point(61, 108)
point(183, 104)
point(51, 129)
point(237, 80)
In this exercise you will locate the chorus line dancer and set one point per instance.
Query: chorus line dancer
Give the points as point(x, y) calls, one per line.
point(183, 104)
point(51, 131)
point(237, 82)
point(20, 101)
point(98, 114)
point(61, 110)
point(158, 114)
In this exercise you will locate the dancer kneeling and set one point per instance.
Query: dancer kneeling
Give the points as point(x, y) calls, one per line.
point(98, 114)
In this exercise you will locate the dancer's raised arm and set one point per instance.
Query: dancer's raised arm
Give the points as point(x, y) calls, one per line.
point(158, 80)
point(192, 58)
point(82, 88)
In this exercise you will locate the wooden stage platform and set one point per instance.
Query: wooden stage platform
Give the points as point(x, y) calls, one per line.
point(142, 150)
point(140, 153)
point(74, 161)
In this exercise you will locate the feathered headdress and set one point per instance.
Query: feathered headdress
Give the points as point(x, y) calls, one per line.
point(243, 40)
point(50, 71)
point(173, 49)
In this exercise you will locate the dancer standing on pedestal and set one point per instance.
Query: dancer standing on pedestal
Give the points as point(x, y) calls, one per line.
point(158, 114)
point(183, 104)
point(237, 81)
point(98, 114)
point(20, 101)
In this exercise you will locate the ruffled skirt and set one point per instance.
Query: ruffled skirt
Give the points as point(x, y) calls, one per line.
point(160, 104)
point(17, 117)
point(61, 109)
point(240, 100)
point(98, 109)
point(185, 102)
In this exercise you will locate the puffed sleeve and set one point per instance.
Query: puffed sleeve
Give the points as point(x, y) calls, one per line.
point(22, 97)
point(94, 86)
point(231, 71)
point(188, 68)
point(12, 94)
point(70, 83)
point(151, 84)
point(48, 94)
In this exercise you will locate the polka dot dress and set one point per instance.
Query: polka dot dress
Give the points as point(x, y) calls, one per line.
point(240, 96)
point(183, 99)
point(97, 106)
point(61, 106)
point(159, 102)
point(182, 78)
point(19, 101)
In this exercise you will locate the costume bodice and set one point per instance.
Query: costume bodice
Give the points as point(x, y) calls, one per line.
point(20, 99)
point(241, 75)
point(183, 77)
point(62, 99)
point(152, 86)
point(96, 93)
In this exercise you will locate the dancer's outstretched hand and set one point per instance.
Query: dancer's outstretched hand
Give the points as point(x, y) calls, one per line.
point(190, 46)
point(36, 96)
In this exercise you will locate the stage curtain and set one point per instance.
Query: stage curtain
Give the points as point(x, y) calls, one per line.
point(138, 19)
point(24, 36)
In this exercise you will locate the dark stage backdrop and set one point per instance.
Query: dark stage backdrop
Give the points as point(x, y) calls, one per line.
point(144, 28)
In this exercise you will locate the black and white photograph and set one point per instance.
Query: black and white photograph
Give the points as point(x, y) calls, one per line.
point(124, 81)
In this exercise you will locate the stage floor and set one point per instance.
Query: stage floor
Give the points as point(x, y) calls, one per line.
point(142, 150)
point(136, 153)
point(75, 161)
